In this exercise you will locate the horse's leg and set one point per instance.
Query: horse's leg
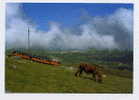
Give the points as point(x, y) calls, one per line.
point(77, 72)
point(94, 76)
point(81, 70)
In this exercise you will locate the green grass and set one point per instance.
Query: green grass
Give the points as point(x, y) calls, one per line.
point(31, 77)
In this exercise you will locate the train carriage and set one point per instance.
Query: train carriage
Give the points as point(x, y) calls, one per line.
point(40, 59)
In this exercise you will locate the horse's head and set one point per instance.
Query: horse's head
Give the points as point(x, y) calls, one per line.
point(99, 76)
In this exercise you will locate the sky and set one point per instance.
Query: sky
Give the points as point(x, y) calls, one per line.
point(70, 25)
point(67, 14)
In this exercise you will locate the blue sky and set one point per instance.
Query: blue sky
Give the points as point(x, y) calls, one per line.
point(57, 24)
point(67, 14)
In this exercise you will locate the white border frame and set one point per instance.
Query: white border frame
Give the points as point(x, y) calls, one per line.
point(95, 96)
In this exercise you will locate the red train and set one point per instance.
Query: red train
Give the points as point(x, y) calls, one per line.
point(44, 60)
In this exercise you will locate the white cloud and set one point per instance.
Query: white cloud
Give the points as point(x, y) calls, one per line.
point(113, 31)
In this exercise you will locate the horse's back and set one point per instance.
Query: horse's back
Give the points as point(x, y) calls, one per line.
point(87, 67)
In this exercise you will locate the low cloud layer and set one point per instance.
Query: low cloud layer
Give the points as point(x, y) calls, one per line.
point(107, 32)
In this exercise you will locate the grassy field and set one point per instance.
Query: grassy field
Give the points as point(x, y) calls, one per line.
point(23, 76)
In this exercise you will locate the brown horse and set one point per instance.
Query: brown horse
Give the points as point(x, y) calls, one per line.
point(89, 69)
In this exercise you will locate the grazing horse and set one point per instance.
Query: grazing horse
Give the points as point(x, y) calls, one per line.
point(89, 69)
